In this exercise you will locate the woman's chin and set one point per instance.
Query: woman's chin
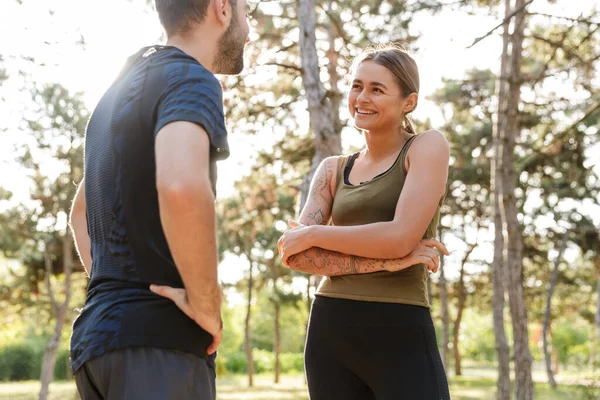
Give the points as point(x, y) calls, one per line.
point(362, 125)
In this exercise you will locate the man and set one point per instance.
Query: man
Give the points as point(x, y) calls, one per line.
point(144, 214)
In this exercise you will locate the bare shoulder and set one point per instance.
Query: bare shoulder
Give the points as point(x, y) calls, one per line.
point(330, 164)
point(331, 160)
point(432, 142)
point(432, 137)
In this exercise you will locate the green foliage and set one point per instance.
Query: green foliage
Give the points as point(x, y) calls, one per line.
point(292, 362)
point(235, 362)
point(62, 369)
point(233, 326)
point(292, 324)
point(571, 342)
point(21, 361)
point(264, 362)
point(477, 338)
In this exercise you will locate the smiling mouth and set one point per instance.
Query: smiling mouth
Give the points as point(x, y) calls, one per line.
point(365, 112)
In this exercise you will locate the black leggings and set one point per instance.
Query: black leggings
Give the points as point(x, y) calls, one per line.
point(372, 351)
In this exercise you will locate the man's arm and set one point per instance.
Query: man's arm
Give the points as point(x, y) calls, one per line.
point(318, 261)
point(78, 222)
point(187, 213)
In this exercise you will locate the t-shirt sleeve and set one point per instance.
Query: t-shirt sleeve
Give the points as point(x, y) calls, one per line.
point(193, 94)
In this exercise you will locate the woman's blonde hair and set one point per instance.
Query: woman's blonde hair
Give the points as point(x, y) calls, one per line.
point(404, 68)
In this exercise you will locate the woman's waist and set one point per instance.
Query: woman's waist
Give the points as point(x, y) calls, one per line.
point(409, 284)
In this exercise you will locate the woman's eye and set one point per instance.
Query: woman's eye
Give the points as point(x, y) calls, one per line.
point(355, 86)
point(377, 90)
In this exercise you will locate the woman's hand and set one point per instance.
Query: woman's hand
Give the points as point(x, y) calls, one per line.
point(426, 253)
point(294, 241)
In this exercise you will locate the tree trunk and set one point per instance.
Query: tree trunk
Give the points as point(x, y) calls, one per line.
point(322, 123)
point(556, 363)
point(502, 348)
point(462, 301)
point(60, 314)
point(443, 287)
point(277, 341)
point(514, 242)
point(247, 342)
point(498, 273)
point(551, 286)
point(597, 309)
point(333, 55)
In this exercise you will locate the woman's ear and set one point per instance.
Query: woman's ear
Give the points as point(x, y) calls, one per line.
point(410, 103)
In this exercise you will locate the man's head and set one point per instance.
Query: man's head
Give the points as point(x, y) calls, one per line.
point(227, 18)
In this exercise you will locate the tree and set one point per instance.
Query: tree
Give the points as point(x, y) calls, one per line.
point(248, 228)
point(468, 110)
point(327, 138)
point(39, 236)
point(499, 273)
point(238, 234)
point(508, 132)
point(545, 48)
point(551, 286)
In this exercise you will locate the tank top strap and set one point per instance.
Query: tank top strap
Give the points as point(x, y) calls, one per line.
point(404, 152)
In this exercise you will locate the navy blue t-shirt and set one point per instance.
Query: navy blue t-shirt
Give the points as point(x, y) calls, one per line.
point(158, 85)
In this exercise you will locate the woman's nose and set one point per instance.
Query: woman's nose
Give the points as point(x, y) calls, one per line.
point(362, 98)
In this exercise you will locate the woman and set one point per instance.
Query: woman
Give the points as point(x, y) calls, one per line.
point(370, 333)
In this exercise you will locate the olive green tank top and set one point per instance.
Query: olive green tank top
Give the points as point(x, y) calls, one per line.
point(369, 202)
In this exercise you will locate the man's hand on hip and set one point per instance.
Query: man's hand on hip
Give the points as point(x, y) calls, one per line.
point(212, 323)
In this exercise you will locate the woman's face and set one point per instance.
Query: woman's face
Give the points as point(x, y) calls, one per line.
point(375, 100)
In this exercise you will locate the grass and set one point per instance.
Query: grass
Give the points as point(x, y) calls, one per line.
point(64, 390)
point(234, 387)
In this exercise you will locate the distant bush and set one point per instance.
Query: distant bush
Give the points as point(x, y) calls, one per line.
point(264, 361)
point(18, 363)
point(235, 363)
point(23, 361)
point(4, 367)
point(292, 362)
point(62, 369)
point(571, 342)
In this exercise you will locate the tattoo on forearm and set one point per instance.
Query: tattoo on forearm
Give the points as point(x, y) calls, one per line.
point(323, 262)
point(317, 217)
point(353, 266)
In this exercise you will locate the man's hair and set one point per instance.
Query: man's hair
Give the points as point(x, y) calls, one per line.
point(180, 16)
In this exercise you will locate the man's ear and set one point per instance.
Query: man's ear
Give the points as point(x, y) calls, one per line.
point(223, 11)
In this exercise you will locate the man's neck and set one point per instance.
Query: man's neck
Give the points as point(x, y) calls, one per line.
point(188, 43)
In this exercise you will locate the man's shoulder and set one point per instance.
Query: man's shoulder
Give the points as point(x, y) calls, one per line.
point(180, 67)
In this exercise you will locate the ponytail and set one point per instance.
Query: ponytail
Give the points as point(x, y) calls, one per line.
point(408, 125)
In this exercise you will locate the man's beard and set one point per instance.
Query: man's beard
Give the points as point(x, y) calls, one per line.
point(230, 50)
